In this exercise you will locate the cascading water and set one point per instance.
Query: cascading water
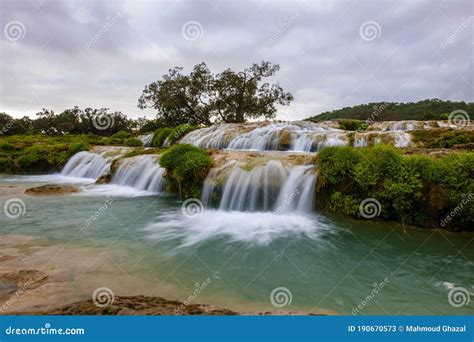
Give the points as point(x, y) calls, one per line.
point(142, 173)
point(86, 164)
point(146, 139)
point(297, 136)
point(270, 187)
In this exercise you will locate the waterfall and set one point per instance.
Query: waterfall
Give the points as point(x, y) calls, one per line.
point(270, 187)
point(142, 172)
point(146, 139)
point(261, 138)
point(86, 165)
point(298, 136)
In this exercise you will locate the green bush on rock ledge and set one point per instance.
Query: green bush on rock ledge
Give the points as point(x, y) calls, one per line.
point(160, 136)
point(415, 189)
point(186, 169)
point(133, 142)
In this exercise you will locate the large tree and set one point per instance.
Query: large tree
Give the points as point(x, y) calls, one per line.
point(180, 98)
point(239, 96)
point(200, 97)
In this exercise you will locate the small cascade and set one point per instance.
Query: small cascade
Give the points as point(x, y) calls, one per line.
point(146, 139)
point(261, 138)
point(396, 138)
point(142, 172)
point(297, 193)
point(86, 164)
point(270, 187)
point(312, 142)
point(217, 136)
point(406, 125)
point(298, 136)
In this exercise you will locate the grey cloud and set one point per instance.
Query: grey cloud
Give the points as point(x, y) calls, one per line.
point(102, 53)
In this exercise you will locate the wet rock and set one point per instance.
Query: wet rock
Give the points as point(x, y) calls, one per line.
point(51, 189)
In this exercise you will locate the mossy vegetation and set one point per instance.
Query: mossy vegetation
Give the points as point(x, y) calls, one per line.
point(416, 189)
point(171, 134)
point(443, 138)
point(353, 125)
point(186, 169)
point(39, 153)
point(133, 142)
point(160, 136)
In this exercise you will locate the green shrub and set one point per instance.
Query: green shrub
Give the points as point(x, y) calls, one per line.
point(78, 147)
point(160, 136)
point(4, 146)
point(353, 125)
point(121, 135)
point(133, 142)
point(442, 138)
point(417, 189)
point(336, 164)
point(186, 168)
point(449, 139)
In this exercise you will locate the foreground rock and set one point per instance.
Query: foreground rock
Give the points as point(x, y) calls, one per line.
point(51, 189)
point(136, 305)
point(142, 305)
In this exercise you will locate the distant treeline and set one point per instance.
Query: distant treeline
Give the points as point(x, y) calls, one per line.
point(431, 109)
point(75, 121)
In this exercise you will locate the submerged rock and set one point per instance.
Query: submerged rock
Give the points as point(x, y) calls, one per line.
point(51, 189)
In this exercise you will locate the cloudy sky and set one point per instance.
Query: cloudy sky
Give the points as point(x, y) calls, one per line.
point(57, 54)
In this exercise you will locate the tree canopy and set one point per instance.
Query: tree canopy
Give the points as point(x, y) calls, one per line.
point(203, 97)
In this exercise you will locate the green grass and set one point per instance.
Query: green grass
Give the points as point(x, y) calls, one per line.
point(42, 153)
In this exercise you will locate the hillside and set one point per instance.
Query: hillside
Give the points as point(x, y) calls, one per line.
point(433, 109)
